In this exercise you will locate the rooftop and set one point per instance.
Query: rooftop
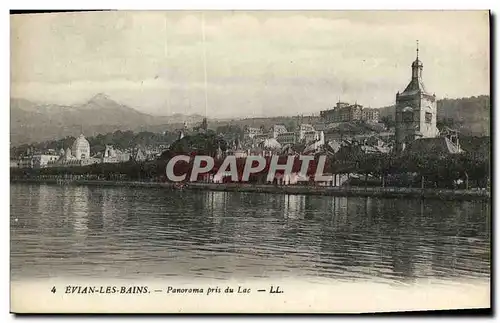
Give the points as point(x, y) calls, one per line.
point(415, 86)
point(434, 146)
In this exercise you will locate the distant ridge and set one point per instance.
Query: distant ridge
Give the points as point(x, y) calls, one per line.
point(34, 122)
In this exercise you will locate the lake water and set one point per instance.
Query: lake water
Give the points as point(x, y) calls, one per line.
point(114, 232)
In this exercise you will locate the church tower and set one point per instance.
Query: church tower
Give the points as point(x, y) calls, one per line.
point(416, 110)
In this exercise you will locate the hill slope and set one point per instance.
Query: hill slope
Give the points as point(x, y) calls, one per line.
point(31, 122)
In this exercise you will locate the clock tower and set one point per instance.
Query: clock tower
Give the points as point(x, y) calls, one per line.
point(416, 110)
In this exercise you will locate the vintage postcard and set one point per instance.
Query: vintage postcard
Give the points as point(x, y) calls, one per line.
point(250, 161)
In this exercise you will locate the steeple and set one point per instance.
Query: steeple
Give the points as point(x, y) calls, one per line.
point(416, 67)
point(417, 49)
point(416, 84)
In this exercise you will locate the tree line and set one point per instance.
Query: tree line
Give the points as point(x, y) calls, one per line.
point(377, 170)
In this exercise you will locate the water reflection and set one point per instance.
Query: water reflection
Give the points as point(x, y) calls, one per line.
point(109, 232)
point(80, 213)
point(293, 206)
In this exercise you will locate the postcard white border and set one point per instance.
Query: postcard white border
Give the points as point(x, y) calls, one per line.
point(187, 4)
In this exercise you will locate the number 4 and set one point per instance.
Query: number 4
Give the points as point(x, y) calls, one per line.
point(53, 290)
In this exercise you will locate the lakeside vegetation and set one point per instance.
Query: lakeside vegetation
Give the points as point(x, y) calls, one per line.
point(365, 170)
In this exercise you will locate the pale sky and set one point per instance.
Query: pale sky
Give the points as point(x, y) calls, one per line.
point(258, 63)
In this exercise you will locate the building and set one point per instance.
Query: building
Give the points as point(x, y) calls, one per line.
point(270, 144)
point(81, 148)
point(78, 155)
point(26, 162)
point(343, 112)
point(181, 132)
point(438, 146)
point(351, 130)
point(238, 153)
point(287, 138)
point(310, 136)
point(257, 139)
point(451, 134)
point(42, 161)
point(315, 145)
point(265, 148)
point(370, 115)
point(277, 129)
point(235, 149)
point(322, 125)
point(112, 155)
point(302, 129)
point(251, 132)
point(14, 163)
point(139, 154)
point(73, 162)
point(416, 110)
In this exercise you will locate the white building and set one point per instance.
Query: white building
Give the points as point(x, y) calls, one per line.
point(268, 147)
point(311, 136)
point(287, 138)
point(277, 129)
point(370, 115)
point(81, 148)
point(112, 155)
point(238, 153)
point(258, 139)
point(270, 144)
point(251, 132)
point(315, 145)
point(78, 155)
point(14, 163)
point(303, 129)
point(42, 161)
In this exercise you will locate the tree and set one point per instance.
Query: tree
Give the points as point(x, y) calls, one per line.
point(388, 122)
point(201, 144)
point(292, 125)
point(230, 131)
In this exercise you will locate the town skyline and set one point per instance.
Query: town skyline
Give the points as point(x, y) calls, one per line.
point(222, 118)
point(297, 74)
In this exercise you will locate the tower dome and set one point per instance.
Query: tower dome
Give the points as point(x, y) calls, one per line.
point(417, 66)
point(81, 148)
point(417, 63)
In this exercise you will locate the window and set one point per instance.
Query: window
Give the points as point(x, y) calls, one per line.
point(428, 117)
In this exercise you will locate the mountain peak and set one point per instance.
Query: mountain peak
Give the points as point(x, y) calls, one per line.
point(100, 97)
point(102, 100)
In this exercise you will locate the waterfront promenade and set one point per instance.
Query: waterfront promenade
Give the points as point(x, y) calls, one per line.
point(380, 192)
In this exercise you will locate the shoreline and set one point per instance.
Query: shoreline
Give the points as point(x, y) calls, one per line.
point(343, 191)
